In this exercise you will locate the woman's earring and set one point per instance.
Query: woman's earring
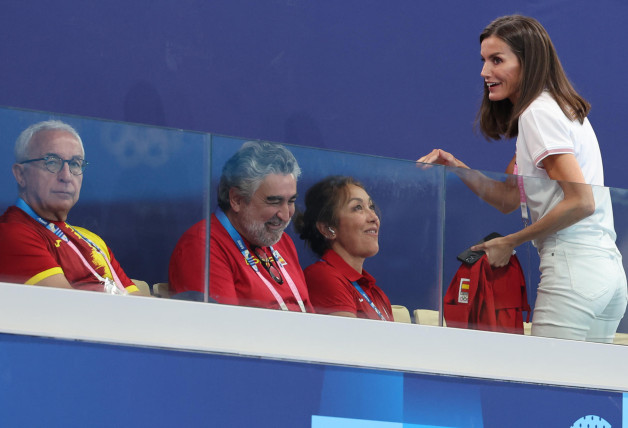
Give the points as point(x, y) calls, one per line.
point(332, 231)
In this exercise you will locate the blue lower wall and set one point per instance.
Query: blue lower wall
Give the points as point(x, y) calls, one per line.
point(50, 382)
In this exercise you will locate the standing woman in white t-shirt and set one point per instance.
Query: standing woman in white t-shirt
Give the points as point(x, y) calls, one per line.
point(582, 293)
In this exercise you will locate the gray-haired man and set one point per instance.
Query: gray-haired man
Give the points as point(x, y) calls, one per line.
point(252, 261)
point(38, 246)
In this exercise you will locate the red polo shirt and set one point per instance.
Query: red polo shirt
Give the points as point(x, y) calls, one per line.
point(329, 283)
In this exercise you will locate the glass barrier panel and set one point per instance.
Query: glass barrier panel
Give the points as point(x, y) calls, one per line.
point(143, 188)
point(409, 199)
point(148, 188)
point(468, 220)
point(619, 198)
point(474, 201)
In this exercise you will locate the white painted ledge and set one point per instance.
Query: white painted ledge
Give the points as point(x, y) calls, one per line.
point(179, 325)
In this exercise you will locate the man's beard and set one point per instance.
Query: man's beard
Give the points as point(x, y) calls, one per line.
point(257, 232)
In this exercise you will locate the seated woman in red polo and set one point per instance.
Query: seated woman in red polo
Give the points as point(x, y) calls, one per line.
point(341, 225)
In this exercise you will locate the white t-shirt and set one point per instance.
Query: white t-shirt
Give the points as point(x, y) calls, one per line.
point(544, 130)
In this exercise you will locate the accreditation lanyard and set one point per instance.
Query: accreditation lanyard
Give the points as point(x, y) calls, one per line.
point(21, 204)
point(237, 239)
point(522, 198)
point(369, 301)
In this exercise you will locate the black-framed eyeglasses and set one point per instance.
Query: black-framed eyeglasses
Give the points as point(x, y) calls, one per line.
point(268, 264)
point(55, 164)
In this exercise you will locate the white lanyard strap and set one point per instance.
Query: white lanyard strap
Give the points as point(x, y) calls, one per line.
point(273, 290)
point(116, 279)
point(237, 239)
point(522, 198)
point(293, 287)
point(59, 233)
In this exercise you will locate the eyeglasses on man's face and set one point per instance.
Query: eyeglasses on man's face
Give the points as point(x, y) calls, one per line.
point(268, 265)
point(55, 164)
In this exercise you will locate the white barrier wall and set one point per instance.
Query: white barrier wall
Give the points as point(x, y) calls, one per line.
point(180, 325)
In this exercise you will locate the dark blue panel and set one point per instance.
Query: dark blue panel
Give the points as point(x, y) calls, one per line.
point(380, 77)
point(59, 383)
point(48, 382)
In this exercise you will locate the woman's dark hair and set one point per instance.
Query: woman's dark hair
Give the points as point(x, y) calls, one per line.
point(540, 70)
point(322, 201)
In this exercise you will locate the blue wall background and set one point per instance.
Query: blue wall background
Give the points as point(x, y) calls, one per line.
point(391, 78)
point(104, 385)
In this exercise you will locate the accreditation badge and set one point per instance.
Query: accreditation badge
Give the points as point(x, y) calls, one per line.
point(111, 288)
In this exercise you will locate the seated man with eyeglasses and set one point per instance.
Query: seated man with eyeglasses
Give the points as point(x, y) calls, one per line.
point(252, 261)
point(38, 246)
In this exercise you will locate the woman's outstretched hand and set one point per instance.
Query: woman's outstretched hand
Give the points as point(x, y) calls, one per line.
point(441, 157)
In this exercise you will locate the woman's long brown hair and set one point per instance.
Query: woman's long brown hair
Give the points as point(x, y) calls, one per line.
point(540, 70)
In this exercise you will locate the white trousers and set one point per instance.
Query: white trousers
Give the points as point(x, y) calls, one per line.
point(582, 294)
